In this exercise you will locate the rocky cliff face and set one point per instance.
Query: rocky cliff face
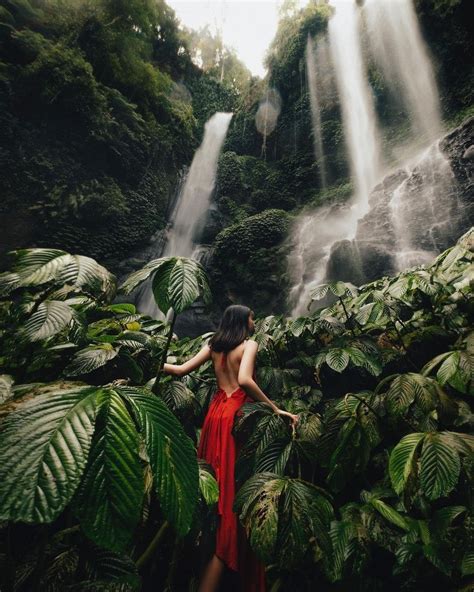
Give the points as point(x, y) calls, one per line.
point(415, 212)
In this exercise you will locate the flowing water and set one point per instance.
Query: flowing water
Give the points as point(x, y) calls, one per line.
point(355, 95)
point(311, 70)
point(315, 233)
point(414, 213)
point(425, 209)
point(189, 215)
point(398, 48)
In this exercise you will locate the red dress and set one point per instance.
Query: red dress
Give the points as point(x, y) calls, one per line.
point(218, 447)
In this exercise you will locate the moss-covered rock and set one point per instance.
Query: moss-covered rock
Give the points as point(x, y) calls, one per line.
point(249, 264)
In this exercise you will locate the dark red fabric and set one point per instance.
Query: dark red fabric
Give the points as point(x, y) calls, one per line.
point(218, 447)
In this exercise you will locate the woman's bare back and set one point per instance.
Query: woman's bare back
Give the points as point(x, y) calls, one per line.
point(226, 367)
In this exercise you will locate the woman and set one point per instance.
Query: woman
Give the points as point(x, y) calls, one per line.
point(233, 355)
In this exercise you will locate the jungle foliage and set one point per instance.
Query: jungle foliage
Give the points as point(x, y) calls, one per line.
point(101, 106)
point(100, 485)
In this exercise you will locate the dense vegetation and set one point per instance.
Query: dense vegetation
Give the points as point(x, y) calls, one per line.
point(101, 488)
point(102, 103)
point(95, 123)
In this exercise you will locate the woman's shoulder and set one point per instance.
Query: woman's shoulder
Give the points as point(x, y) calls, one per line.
point(250, 343)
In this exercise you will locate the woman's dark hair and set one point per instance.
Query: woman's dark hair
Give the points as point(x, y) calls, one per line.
point(233, 328)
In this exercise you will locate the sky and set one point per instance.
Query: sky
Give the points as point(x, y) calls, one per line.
point(247, 25)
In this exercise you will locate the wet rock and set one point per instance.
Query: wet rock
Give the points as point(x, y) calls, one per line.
point(418, 211)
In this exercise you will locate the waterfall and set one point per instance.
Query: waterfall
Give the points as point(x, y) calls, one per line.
point(189, 215)
point(312, 236)
point(315, 111)
point(358, 112)
point(425, 209)
point(398, 48)
point(316, 232)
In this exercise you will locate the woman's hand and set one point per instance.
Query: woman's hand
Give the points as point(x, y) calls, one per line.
point(292, 416)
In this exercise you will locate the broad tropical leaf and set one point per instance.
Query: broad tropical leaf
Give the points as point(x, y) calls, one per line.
point(391, 514)
point(111, 569)
point(439, 466)
point(34, 267)
point(44, 448)
point(51, 317)
point(90, 359)
point(178, 283)
point(443, 518)
point(340, 533)
point(467, 565)
point(111, 495)
point(402, 458)
point(172, 458)
point(208, 485)
point(337, 359)
point(282, 516)
point(319, 292)
point(275, 457)
point(138, 277)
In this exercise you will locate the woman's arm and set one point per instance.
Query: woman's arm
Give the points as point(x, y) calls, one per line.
point(182, 369)
point(246, 381)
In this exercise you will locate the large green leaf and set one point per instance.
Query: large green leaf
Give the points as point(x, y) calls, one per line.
point(439, 466)
point(443, 518)
point(448, 368)
point(44, 448)
point(34, 267)
point(408, 389)
point(319, 292)
point(208, 485)
point(178, 283)
point(109, 570)
point(340, 533)
point(337, 359)
point(275, 457)
point(90, 359)
point(51, 317)
point(401, 460)
point(138, 277)
point(172, 458)
point(391, 514)
point(283, 516)
point(258, 501)
point(111, 494)
point(84, 272)
point(178, 397)
point(467, 564)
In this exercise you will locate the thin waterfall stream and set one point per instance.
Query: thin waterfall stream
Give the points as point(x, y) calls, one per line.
point(189, 215)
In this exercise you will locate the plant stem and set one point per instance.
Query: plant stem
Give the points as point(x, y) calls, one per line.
point(364, 402)
point(150, 550)
point(347, 315)
point(155, 387)
point(402, 343)
point(174, 564)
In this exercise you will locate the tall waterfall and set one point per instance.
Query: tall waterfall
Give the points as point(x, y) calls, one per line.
point(314, 233)
point(358, 112)
point(190, 212)
point(414, 212)
point(398, 48)
point(311, 71)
